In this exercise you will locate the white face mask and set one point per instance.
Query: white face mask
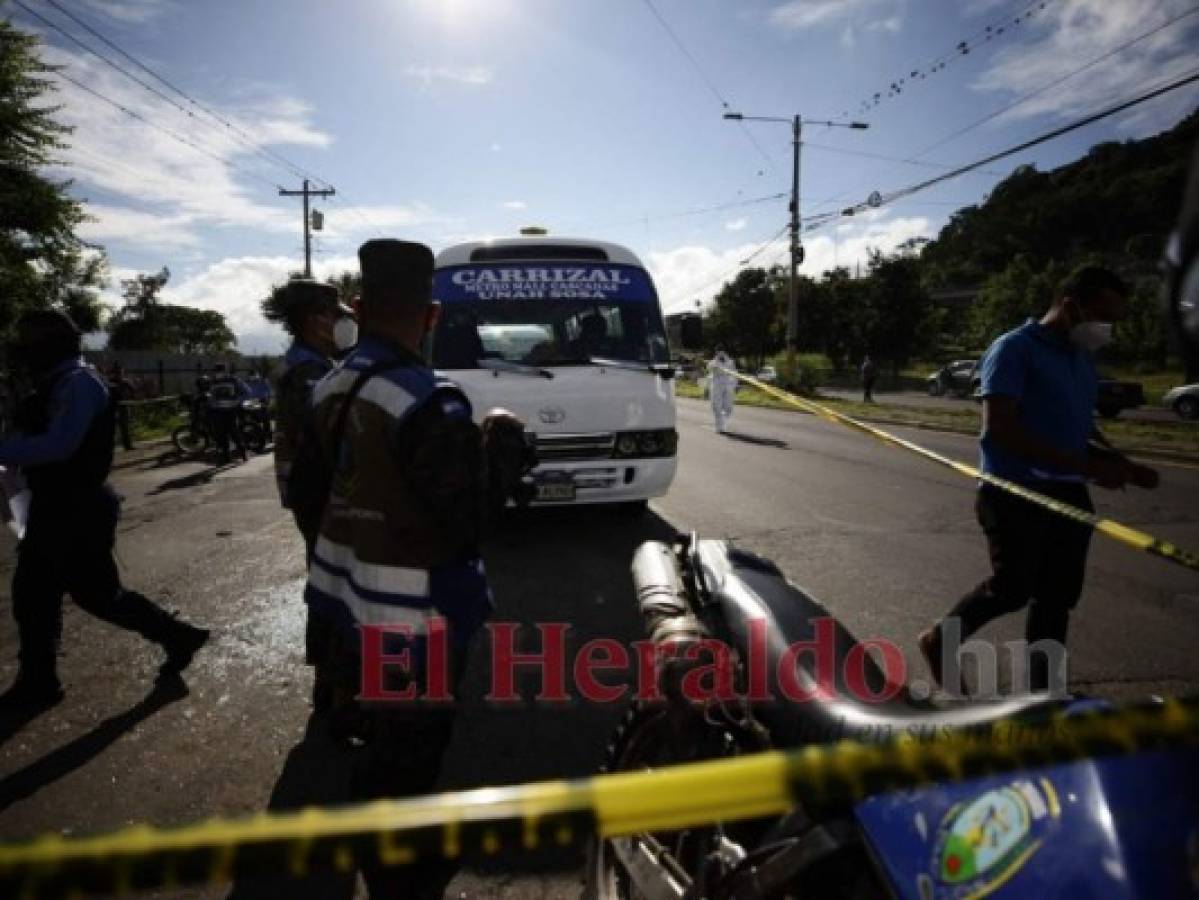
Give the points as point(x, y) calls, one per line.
point(1091, 335)
point(345, 333)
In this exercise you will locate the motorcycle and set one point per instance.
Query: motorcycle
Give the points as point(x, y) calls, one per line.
point(196, 435)
point(1113, 827)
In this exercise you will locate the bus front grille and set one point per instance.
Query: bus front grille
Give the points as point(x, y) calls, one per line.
point(568, 447)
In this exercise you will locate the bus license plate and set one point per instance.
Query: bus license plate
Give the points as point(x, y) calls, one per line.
point(556, 490)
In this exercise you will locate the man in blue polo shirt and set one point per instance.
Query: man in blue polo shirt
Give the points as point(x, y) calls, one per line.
point(1039, 387)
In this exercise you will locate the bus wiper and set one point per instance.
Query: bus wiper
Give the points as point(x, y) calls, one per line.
point(503, 365)
point(666, 370)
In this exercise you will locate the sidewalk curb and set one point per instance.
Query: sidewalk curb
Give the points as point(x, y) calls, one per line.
point(1163, 455)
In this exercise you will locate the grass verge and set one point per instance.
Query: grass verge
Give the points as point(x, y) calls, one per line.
point(1174, 438)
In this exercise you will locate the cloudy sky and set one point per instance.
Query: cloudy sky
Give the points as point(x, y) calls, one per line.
point(450, 120)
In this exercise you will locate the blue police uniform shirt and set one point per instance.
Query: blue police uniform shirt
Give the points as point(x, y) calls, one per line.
point(78, 396)
point(299, 352)
point(1056, 385)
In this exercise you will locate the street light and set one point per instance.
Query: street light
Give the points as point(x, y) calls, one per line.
point(797, 123)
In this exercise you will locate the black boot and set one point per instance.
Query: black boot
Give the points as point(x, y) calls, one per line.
point(181, 643)
point(31, 694)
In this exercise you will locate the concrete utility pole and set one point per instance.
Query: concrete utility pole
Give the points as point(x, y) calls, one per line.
point(797, 251)
point(307, 192)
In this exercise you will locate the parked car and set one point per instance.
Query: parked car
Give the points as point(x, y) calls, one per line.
point(1114, 396)
point(1184, 400)
point(956, 377)
point(767, 374)
point(1117, 396)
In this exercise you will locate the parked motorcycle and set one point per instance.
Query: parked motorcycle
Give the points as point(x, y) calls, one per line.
point(196, 435)
point(1112, 827)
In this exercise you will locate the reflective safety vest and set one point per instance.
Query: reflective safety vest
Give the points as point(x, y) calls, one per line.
point(380, 557)
point(305, 367)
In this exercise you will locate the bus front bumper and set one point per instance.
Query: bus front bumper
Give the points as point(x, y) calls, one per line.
point(602, 480)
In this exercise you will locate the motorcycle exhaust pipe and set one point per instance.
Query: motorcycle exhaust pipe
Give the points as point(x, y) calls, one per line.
point(666, 612)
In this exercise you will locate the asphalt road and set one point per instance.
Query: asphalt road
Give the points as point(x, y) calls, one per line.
point(885, 540)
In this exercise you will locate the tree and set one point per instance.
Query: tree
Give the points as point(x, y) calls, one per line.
point(138, 325)
point(144, 323)
point(833, 315)
point(348, 284)
point(1022, 290)
point(745, 317)
point(901, 321)
point(192, 330)
point(42, 261)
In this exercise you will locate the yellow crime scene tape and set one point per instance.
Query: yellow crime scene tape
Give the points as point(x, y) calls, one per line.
point(1125, 534)
point(553, 818)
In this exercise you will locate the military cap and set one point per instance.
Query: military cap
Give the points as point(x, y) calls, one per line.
point(391, 267)
point(300, 293)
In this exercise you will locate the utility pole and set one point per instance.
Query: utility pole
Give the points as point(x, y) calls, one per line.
point(797, 251)
point(307, 192)
point(796, 247)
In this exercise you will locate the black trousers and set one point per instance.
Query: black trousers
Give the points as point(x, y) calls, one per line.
point(68, 549)
point(1038, 560)
point(123, 428)
point(402, 755)
point(225, 427)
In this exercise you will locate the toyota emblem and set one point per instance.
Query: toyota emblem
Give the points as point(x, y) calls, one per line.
point(551, 415)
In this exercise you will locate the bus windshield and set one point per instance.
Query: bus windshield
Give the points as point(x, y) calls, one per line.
point(546, 315)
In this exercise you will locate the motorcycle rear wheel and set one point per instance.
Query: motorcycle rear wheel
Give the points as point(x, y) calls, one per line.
point(649, 738)
point(188, 441)
point(253, 436)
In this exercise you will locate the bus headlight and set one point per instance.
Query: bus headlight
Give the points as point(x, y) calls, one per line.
point(657, 443)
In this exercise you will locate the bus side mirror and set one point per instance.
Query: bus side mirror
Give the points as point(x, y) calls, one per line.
point(691, 333)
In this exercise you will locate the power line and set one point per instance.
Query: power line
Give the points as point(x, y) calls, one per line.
point(882, 199)
point(247, 139)
point(695, 211)
point(720, 98)
point(1052, 84)
point(167, 131)
point(962, 48)
point(740, 265)
point(895, 159)
point(356, 210)
point(913, 158)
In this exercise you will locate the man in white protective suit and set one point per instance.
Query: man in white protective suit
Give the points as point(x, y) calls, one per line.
point(722, 386)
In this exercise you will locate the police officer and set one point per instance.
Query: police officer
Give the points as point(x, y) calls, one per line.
point(225, 412)
point(398, 542)
point(317, 323)
point(65, 448)
point(314, 318)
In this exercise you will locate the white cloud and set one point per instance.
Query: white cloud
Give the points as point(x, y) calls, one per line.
point(736, 224)
point(471, 75)
point(132, 11)
point(120, 223)
point(187, 189)
point(686, 274)
point(516, 204)
point(800, 15)
point(1070, 33)
point(236, 286)
point(345, 224)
